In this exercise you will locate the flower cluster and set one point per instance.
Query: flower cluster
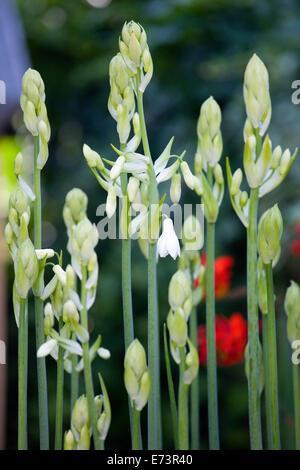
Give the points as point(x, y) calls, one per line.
point(231, 340)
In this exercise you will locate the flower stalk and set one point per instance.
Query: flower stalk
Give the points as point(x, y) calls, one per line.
point(183, 414)
point(59, 393)
point(22, 375)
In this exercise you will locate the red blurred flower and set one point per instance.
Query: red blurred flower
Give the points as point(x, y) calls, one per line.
point(223, 274)
point(295, 244)
point(231, 340)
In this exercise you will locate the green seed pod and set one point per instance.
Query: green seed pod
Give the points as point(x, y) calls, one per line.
point(269, 234)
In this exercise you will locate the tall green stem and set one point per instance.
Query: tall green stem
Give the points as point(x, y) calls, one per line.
point(89, 387)
point(195, 432)
point(171, 391)
point(74, 379)
point(39, 314)
point(154, 408)
point(266, 355)
point(136, 430)
point(183, 414)
point(212, 384)
point(275, 431)
point(296, 404)
point(253, 338)
point(22, 375)
point(59, 394)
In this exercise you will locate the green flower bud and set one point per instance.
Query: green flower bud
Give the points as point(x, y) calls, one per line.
point(75, 207)
point(192, 364)
point(177, 327)
point(85, 440)
point(69, 440)
point(236, 182)
point(285, 162)
point(93, 158)
point(192, 234)
point(80, 415)
point(256, 94)
point(26, 268)
point(208, 129)
point(243, 198)
point(189, 178)
point(70, 276)
point(292, 309)
point(276, 156)
point(8, 234)
point(136, 374)
point(132, 188)
point(48, 319)
point(123, 123)
point(19, 201)
point(248, 130)
point(269, 234)
point(111, 201)
point(218, 174)
point(256, 171)
point(70, 312)
point(175, 188)
point(18, 163)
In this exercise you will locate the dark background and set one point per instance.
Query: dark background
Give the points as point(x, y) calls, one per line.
point(199, 48)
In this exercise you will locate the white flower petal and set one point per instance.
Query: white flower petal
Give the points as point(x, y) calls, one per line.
point(46, 348)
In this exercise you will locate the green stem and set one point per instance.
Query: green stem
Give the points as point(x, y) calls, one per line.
point(266, 355)
point(22, 375)
point(253, 338)
point(296, 404)
point(212, 384)
point(154, 408)
point(89, 387)
point(39, 314)
point(195, 432)
point(171, 391)
point(183, 414)
point(136, 430)
point(74, 379)
point(59, 394)
point(275, 430)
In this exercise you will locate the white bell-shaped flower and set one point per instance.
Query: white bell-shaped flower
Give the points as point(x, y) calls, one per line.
point(168, 243)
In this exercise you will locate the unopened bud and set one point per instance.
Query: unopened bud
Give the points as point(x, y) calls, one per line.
point(18, 164)
point(80, 414)
point(93, 158)
point(69, 440)
point(192, 234)
point(177, 327)
point(111, 201)
point(269, 234)
point(175, 188)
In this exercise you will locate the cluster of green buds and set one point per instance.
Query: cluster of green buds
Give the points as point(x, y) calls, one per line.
point(292, 309)
point(79, 436)
point(265, 168)
point(121, 103)
point(136, 375)
point(135, 52)
point(35, 112)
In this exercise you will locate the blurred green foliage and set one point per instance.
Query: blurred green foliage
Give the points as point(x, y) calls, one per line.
point(199, 48)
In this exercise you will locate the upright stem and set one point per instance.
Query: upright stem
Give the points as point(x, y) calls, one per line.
point(212, 385)
point(136, 430)
point(39, 314)
point(89, 387)
point(266, 356)
point(183, 414)
point(296, 404)
point(275, 431)
point(253, 338)
point(59, 394)
point(195, 432)
point(154, 408)
point(74, 379)
point(22, 375)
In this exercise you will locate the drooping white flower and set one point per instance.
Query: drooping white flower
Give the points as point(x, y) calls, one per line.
point(168, 243)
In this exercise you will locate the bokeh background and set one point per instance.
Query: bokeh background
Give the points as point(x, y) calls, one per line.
point(199, 48)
